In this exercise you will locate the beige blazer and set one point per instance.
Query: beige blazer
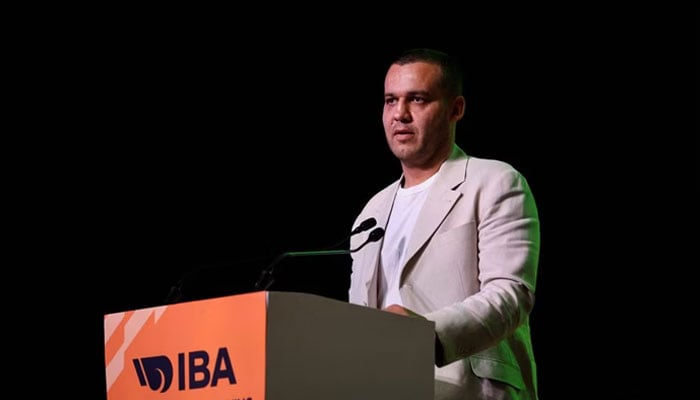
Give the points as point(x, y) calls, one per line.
point(471, 267)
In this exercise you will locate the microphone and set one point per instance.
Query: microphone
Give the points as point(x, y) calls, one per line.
point(266, 274)
point(175, 293)
point(364, 225)
point(373, 236)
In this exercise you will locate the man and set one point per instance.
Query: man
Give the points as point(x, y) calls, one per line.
point(462, 239)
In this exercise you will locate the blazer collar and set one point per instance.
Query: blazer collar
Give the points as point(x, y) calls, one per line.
point(442, 196)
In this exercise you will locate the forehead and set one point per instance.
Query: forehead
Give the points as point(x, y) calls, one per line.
point(418, 76)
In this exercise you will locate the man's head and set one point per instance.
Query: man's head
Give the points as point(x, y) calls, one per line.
point(452, 79)
point(422, 103)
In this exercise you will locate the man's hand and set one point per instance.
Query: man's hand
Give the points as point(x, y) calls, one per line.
point(401, 310)
point(397, 309)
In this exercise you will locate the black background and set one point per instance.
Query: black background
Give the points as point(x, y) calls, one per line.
point(183, 145)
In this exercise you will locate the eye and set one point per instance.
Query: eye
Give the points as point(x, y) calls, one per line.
point(417, 99)
point(389, 100)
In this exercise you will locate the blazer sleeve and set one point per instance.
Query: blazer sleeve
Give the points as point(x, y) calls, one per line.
point(508, 251)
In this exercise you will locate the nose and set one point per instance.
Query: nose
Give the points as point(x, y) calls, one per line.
point(401, 111)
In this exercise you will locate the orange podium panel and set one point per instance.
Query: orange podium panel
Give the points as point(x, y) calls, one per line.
point(212, 349)
point(267, 346)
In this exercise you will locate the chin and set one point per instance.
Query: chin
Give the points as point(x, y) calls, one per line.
point(403, 154)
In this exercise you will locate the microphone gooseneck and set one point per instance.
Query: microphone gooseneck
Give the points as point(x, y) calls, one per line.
point(266, 278)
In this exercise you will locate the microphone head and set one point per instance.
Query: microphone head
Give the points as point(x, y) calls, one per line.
point(366, 224)
point(375, 235)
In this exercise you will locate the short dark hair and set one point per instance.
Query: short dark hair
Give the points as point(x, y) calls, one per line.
point(452, 74)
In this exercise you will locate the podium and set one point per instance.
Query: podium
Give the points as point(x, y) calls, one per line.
point(267, 345)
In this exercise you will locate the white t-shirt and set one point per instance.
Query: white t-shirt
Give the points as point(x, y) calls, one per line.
point(404, 213)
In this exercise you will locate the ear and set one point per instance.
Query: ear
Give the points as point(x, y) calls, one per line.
point(459, 105)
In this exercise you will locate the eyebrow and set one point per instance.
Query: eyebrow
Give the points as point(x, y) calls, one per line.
point(411, 93)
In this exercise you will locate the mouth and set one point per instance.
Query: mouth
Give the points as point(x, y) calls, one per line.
point(402, 132)
point(403, 137)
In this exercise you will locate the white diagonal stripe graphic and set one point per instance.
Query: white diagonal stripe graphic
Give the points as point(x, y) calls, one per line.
point(131, 329)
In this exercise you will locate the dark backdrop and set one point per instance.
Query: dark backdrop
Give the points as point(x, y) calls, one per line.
point(205, 150)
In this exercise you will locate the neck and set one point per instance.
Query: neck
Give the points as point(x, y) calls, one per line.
point(416, 176)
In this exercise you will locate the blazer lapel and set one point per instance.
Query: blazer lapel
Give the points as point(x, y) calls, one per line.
point(441, 198)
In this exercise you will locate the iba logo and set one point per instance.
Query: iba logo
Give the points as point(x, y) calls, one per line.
point(193, 370)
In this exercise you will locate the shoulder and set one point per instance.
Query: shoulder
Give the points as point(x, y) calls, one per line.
point(461, 167)
point(484, 166)
point(484, 175)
